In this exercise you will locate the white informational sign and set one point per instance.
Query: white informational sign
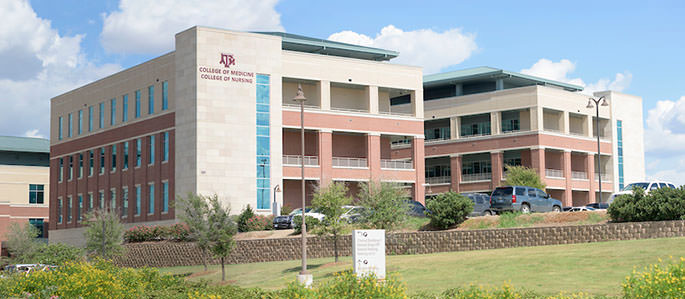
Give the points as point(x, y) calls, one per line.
point(368, 251)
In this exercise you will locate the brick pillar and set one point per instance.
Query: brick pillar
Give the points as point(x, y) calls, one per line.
point(455, 170)
point(591, 177)
point(568, 198)
point(537, 161)
point(420, 168)
point(373, 154)
point(496, 160)
point(325, 157)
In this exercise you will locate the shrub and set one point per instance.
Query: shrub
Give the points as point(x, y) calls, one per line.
point(448, 209)
point(384, 203)
point(244, 216)
point(523, 176)
point(57, 254)
point(656, 281)
point(259, 222)
point(505, 291)
point(346, 284)
point(660, 204)
point(285, 210)
point(177, 232)
point(311, 223)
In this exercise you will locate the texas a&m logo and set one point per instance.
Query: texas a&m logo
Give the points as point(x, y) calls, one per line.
point(227, 60)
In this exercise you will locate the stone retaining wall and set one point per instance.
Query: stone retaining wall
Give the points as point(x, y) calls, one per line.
point(169, 254)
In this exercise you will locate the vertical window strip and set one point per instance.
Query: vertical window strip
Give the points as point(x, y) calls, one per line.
point(114, 157)
point(102, 200)
point(69, 124)
point(151, 99)
point(59, 132)
point(138, 103)
point(124, 110)
point(102, 160)
point(125, 166)
point(102, 115)
point(151, 203)
point(165, 95)
point(124, 202)
point(60, 212)
point(165, 140)
point(138, 199)
point(113, 112)
point(619, 137)
point(91, 162)
point(90, 118)
point(151, 150)
point(80, 122)
point(138, 151)
point(165, 197)
point(79, 214)
point(60, 175)
point(263, 142)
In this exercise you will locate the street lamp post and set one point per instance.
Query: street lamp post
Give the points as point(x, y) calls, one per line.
point(599, 166)
point(276, 210)
point(304, 277)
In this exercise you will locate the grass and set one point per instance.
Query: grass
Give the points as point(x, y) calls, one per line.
point(595, 268)
point(508, 220)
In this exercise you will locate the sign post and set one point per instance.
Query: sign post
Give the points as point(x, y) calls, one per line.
point(368, 252)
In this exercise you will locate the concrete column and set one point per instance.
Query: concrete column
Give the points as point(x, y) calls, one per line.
point(372, 96)
point(455, 170)
point(417, 103)
point(566, 122)
point(495, 123)
point(499, 84)
point(537, 121)
point(590, 160)
point(420, 168)
point(326, 156)
point(590, 127)
point(568, 200)
point(459, 89)
point(325, 94)
point(496, 160)
point(454, 127)
point(373, 154)
point(537, 161)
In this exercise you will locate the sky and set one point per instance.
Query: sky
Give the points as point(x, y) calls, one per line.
point(636, 47)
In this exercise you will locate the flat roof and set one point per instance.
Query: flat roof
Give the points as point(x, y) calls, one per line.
point(299, 43)
point(24, 144)
point(484, 72)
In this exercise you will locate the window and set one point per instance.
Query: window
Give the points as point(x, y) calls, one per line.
point(165, 146)
point(151, 150)
point(91, 163)
point(112, 199)
point(151, 194)
point(263, 142)
point(124, 110)
point(138, 200)
point(61, 170)
point(69, 205)
point(59, 210)
point(40, 225)
point(59, 125)
point(102, 199)
point(532, 193)
point(114, 157)
point(139, 149)
point(124, 202)
point(80, 122)
point(165, 197)
point(137, 103)
point(113, 112)
point(69, 125)
point(165, 95)
point(151, 99)
point(125, 166)
point(102, 115)
point(71, 167)
point(90, 201)
point(90, 118)
point(80, 166)
point(619, 142)
point(36, 194)
point(520, 191)
point(79, 212)
point(102, 160)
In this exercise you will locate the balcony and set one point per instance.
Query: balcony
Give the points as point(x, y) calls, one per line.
point(438, 180)
point(579, 175)
point(606, 177)
point(396, 164)
point(295, 160)
point(474, 177)
point(554, 173)
point(349, 162)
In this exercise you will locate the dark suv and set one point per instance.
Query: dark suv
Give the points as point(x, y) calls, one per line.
point(481, 203)
point(523, 199)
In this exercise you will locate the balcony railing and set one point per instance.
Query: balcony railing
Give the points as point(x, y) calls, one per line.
point(349, 162)
point(438, 180)
point(397, 164)
point(437, 139)
point(606, 177)
point(476, 177)
point(350, 109)
point(579, 175)
point(396, 113)
point(295, 160)
point(296, 105)
point(554, 173)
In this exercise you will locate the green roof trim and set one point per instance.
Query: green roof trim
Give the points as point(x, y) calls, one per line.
point(24, 144)
point(294, 42)
point(485, 72)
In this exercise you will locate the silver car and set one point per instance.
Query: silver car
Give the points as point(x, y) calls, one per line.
point(523, 199)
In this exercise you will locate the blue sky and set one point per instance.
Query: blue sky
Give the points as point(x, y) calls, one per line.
point(634, 47)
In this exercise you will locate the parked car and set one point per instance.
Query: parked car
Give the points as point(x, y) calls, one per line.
point(287, 221)
point(523, 199)
point(581, 209)
point(353, 214)
point(647, 186)
point(481, 204)
point(598, 206)
point(28, 268)
point(416, 209)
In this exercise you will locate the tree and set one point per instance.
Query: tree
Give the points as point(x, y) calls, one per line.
point(448, 209)
point(330, 201)
point(221, 231)
point(104, 233)
point(21, 242)
point(193, 211)
point(523, 176)
point(385, 204)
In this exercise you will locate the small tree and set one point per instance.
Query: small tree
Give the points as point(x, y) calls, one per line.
point(221, 231)
point(448, 209)
point(21, 242)
point(194, 210)
point(329, 201)
point(523, 176)
point(384, 203)
point(244, 216)
point(104, 233)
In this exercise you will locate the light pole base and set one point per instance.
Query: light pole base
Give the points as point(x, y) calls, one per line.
point(305, 279)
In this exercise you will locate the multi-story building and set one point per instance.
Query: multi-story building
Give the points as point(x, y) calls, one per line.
point(479, 120)
point(24, 178)
point(216, 116)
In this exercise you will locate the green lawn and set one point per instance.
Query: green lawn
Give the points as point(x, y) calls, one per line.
point(596, 268)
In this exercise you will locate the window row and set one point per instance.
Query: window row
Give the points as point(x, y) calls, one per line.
point(108, 200)
point(80, 126)
point(132, 151)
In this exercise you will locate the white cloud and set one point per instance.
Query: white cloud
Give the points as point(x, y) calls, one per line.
point(424, 47)
point(561, 71)
point(140, 26)
point(42, 64)
point(665, 141)
point(33, 133)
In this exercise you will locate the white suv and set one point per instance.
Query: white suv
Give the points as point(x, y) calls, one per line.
point(647, 186)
